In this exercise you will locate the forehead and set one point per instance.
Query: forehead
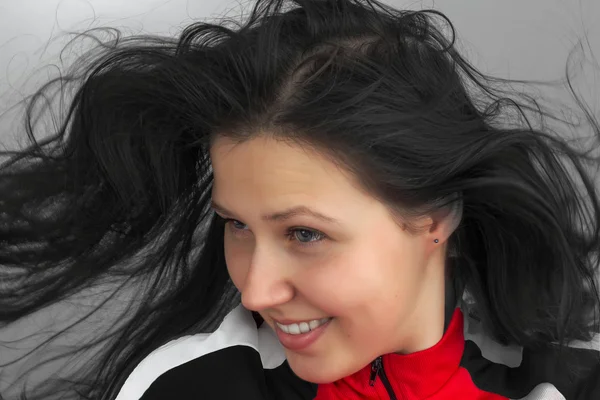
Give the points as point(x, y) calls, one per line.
point(264, 167)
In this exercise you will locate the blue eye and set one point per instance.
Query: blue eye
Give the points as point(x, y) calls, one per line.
point(237, 227)
point(302, 236)
point(305, 236)
point(237, 224)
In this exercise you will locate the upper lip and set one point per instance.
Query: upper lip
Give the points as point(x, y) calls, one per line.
point(294, 321)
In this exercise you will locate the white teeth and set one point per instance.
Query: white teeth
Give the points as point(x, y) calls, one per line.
point(302, 327)
point(313, 324)
point(294, 329)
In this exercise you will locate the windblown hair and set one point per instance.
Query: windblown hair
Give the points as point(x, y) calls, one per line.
point(119, 195)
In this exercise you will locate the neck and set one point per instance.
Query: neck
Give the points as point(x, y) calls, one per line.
point(430, 318)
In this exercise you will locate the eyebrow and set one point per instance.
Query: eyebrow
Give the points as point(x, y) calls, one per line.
point(282, 215)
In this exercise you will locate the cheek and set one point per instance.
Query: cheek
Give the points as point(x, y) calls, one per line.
point(374, 283)
point(344, 285)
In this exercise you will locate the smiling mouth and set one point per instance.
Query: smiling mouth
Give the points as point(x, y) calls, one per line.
point(302, 327)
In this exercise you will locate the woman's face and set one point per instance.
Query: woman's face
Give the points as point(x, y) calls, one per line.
point(304, 243)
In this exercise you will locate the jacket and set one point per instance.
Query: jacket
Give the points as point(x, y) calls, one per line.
point(242, 361)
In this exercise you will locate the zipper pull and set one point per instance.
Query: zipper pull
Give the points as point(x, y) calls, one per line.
point(375, 368)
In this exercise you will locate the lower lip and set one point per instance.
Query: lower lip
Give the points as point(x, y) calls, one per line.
point(301, 341)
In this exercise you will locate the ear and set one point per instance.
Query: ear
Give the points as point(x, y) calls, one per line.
point(446, 220)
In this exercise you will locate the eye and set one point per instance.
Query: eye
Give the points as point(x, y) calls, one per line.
point(305, 236)
point(301, 236)
point(236, 227)
point(237, 224)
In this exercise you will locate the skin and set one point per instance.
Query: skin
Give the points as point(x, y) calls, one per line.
point(383, 285)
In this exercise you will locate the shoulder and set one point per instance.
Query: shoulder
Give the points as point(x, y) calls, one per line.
point(236, 361)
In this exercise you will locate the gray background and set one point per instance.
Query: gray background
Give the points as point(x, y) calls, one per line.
point(519, 39)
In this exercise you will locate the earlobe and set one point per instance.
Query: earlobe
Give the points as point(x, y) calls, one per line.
point(446, 221)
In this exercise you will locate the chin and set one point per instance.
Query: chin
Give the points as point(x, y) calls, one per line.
point(314, 376)
point(313, 370)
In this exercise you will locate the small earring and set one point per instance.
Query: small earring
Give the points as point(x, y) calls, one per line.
point(436, 241)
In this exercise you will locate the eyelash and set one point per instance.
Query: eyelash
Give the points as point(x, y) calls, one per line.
point(290, 234)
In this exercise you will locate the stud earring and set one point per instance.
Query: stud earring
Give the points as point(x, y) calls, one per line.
point(436, 241)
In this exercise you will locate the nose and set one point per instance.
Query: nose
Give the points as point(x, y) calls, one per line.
point(267, 283)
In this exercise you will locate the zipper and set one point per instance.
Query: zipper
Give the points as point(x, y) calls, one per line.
point(377, 370)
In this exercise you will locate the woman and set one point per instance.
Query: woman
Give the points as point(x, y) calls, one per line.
point(385, 211)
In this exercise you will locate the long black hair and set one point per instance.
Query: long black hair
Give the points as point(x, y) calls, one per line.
point(117, 198)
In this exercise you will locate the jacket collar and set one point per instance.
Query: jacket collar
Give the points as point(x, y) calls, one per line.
point(420, 374)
